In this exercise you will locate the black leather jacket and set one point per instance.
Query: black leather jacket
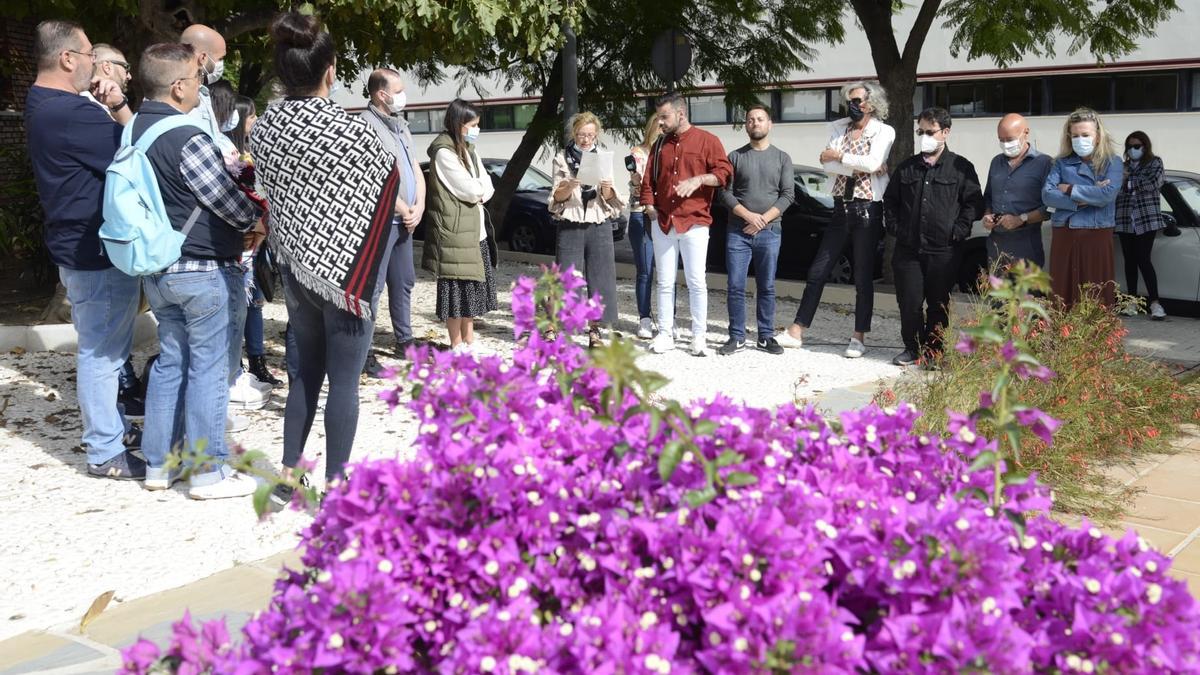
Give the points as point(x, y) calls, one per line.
point(931, 208)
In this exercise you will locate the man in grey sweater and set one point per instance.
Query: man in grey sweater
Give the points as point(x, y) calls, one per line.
point(759, 192)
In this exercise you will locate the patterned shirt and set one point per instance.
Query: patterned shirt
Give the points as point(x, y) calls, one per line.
point(203, 168)
point(862, 179)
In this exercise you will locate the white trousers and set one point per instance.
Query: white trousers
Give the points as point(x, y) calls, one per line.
point(693, 246)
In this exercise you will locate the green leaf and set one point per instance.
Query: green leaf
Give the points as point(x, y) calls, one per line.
point(740, 479)
point(655, 423)
point(1018, 521)
point(261, 495)
point(975, 492)
point(704, 428)
point(729, 458)
point(984, 460)
point(669, 460)
point(620, 450)
point(464, 418)
point(697, 498)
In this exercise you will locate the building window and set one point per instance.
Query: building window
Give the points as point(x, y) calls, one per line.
point(802, 105)
point(707, 110)
point(424, 121)
point(1150, 91)
point(1195, 90)
point(1075, 91)
point(524, 115)
point(739, 113)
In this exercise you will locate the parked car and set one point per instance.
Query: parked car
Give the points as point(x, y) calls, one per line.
point(1176, 253)
point(804, 225)
point(528, 227)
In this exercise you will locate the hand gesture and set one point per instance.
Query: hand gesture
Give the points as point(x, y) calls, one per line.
point(106, 91)
point(685, 189)
point(989, 222)
point(831, 155)
point(1009, 221)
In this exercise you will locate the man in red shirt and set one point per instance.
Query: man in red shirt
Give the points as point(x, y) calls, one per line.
point(685, 168)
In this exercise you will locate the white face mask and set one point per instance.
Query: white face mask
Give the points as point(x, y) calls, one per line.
point(232, 122)
point(928, 145)
point(1083, 145)
point(472, 134)
point(1011, 148)
point(398, 102)
point(334, 88)
point(218, 70)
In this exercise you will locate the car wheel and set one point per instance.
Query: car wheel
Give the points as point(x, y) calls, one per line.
point(843, 271)
point(523, 238)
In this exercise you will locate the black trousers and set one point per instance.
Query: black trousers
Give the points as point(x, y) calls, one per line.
point(923, 285)
point(860, 222)
point(1136, 249)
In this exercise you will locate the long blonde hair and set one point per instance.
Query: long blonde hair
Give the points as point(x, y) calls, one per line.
point(651, 133)
point(1105, 150)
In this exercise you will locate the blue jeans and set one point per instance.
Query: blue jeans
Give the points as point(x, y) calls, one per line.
point(200, 317)
point(401, 277)
point(763, 250)
point(254, 320)
point(643, 261)
point(103, 307)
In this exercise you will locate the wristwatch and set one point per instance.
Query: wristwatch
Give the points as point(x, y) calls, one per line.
point(124, 102)
point(1024, 218)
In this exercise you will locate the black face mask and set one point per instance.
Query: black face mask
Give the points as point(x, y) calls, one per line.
point(856, 111)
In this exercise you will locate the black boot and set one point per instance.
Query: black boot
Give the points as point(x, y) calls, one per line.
point(258, 368)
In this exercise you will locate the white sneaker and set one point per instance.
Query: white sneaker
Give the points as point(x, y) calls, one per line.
point(662, 343)
point(235, 423)
point(645, 329)
point(1157, 312)
point(699, 346)
point(461, 348)
point(234, 485)
point(855, 349)
point(786, 340)
point(243, 395)
point(253, 381)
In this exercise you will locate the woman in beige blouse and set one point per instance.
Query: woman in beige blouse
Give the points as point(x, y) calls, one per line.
point(584, 237)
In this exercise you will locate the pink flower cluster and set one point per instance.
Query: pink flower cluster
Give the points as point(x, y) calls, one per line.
point(535, 533)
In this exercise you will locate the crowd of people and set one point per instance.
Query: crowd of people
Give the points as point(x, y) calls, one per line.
point(336, 197)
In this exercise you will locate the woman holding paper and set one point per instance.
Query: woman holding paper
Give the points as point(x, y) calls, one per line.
point(581, 210)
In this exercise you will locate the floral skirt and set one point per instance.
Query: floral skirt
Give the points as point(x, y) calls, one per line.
point(462, 299)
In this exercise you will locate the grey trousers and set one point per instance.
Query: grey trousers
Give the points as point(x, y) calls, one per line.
point(589, 247)
point(396, 271)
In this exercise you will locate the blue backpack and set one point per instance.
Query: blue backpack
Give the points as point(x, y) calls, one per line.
point(137, 233)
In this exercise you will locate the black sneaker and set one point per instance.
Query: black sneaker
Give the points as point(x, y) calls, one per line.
point(770, 346)
point(125, 466)
point(402, 348)
point(281, 495)
point(731, 346)
point(905, 358)
point(134, 405)
point(372, 367)
point(132, 438)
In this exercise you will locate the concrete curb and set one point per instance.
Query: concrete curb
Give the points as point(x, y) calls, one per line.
point(61, 337)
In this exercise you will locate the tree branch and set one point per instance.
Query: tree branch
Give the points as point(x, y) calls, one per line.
point(920, 29)
point(876, 19)
point(237, 24)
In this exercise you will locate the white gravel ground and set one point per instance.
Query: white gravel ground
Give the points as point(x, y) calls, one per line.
point(70, 538)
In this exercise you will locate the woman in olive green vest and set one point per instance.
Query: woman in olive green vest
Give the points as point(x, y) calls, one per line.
point(459, 249)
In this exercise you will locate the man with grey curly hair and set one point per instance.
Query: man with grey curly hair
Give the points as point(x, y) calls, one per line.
point(856, 155)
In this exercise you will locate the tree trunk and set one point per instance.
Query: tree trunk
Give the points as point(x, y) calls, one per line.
point(58, 310)
point(542, 125)
point(897, 72)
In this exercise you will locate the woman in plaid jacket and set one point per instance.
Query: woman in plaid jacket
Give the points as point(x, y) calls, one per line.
point(1139, 218)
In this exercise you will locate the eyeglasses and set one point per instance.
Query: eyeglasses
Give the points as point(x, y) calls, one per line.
point(91, 55)
point(198, 76)
point(117, 63)
point(586, 137)
point(927, 132)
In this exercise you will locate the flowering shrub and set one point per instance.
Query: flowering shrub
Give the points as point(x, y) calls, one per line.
point(556, 521)
point(1104, 405)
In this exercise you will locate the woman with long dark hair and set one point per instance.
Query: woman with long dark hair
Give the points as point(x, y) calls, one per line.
point(1139, 217)
point(331, 187)
point(459, 246)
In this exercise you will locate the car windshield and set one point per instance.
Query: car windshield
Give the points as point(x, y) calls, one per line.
point(1190, 191)
point(532, 181)
point(817, 184)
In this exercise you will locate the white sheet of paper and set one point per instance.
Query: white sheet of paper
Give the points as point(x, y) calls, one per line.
point(595, 167)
